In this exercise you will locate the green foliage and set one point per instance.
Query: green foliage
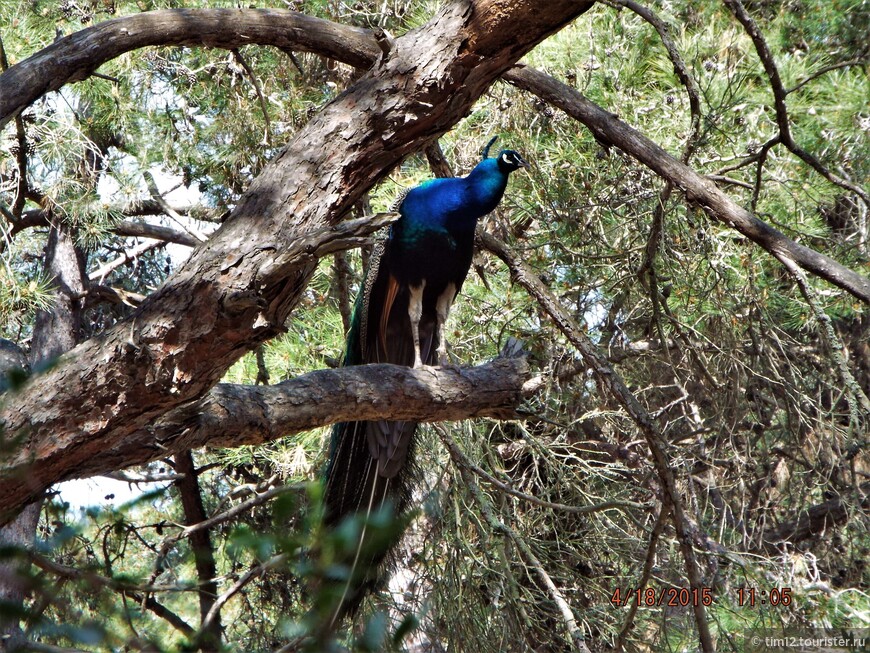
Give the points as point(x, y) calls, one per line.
point(20, 296)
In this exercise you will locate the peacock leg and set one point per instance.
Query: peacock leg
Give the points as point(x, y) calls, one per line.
point(415, 312)
point(442, 310)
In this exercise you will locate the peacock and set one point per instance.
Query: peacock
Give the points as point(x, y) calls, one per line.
point(412, 279)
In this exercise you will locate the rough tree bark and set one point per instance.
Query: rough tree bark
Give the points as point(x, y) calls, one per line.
point(76, 56)
point(237, 289)
point(234, 415)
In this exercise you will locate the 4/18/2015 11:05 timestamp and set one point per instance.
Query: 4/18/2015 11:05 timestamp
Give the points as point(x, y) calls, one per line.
point(685, 596)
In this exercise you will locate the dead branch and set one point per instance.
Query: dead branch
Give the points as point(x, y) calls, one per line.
point(127, 257)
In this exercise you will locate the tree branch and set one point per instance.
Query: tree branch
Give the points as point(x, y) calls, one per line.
point(814, 520)
point(234, 415)
point(645, 574)
point(100, 293)
point(824, 70)
point(168, 210)
point(231, 513)
point(256, 571)
point(462, 460)
point(155, 231)
point(357, 47)
point(578, 642)
point(779, 95)
point(132, 590)
point(40, 218)
point(209, 636)
point(127, 257)
point(610, 382)
point(75, 57)
point(680, 68)
point(609, 129)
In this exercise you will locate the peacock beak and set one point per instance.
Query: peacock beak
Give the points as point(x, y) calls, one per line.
point(523, 162)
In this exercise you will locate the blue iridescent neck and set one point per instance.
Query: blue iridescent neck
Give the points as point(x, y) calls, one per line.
point(487, 183)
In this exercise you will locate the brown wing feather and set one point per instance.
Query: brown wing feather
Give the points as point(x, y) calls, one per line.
point(392, 291)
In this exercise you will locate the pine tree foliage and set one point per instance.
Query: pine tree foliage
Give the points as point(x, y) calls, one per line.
point(756, 376)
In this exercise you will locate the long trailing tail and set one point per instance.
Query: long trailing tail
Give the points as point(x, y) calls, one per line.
point(370, 472)
point(357, 485)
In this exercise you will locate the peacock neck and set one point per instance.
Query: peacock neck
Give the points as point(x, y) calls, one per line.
point(486, 184)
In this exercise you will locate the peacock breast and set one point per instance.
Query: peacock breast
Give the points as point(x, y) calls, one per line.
point(431, 253)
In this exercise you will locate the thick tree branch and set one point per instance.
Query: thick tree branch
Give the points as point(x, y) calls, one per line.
point(234, 415)
point(113, 294)
point(220, 28)
point(155, 231)
point(75, 57)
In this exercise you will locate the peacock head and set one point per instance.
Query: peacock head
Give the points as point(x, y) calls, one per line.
point(508, 161)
